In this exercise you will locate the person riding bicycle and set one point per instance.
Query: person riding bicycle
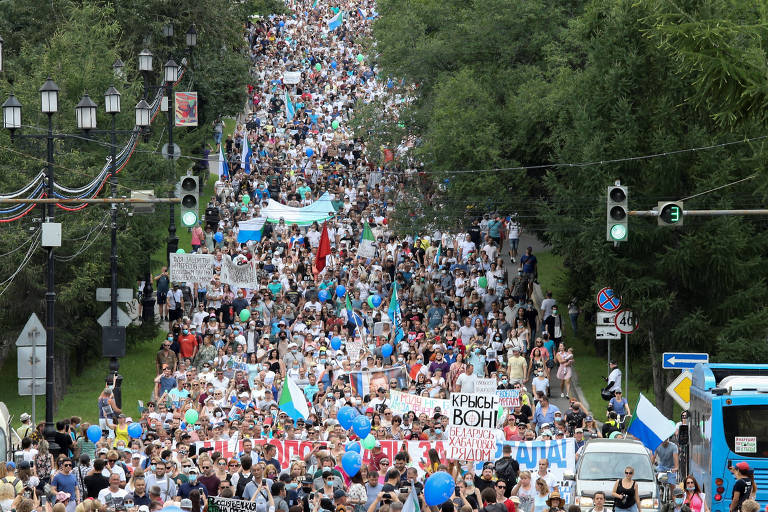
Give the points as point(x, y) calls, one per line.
point(666, 458)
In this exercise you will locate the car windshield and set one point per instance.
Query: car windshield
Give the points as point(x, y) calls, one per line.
point(610, 466)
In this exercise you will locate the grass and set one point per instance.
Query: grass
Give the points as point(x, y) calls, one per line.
point(589, 367)
point(84, 389)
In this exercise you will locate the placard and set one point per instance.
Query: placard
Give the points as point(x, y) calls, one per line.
point(185, 108)
point(217, 504)
point(291, 77)
point(238, 276)
point(472, 427)
point(402, 403)
point(191, 268)
point(508, 398)
point(486, 386)
point(745, 444)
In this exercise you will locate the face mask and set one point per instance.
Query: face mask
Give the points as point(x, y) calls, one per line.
point(193, 478)
point(292, 486)
point(185, 331)
point(371, 347)
point(678, 501)
point(152, 467)
point(322, 361)
point(469, 483)
point(477, 351)
point(170, 338)
point(347, 395)
point(504, 381)
point(438, 431)
point(690, 489)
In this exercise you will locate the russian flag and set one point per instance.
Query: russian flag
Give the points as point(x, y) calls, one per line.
point(649, 426)
point(245, 156)
point(336, 21)
point(251, 230)
point(223, 166)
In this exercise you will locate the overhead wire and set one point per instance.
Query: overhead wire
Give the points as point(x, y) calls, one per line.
point(27, 257)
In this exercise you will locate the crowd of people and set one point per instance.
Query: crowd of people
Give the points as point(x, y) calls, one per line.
point(216, 420)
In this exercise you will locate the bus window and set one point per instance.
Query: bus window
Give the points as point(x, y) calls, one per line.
point(750, 421)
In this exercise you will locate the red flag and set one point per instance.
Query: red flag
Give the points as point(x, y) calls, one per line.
point(323, 250)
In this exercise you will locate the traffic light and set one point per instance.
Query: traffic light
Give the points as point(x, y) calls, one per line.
point(670, 213)
point(190, 194)
point(617, 225)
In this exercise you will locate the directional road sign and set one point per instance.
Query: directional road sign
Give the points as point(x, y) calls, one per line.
point(608, 301)
point(123, 320)
point(682, 360)
point(607, 332)
point(625, 321)
point(26, 387)
point(680, 389)
point(105, 294)
point(30, 362)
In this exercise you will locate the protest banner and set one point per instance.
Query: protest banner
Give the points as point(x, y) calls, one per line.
point(508, 398)
point(218, 504)
point(402, 403)
point(291, 77)
point(285, 448)
point(191, 268)
point(473, 421)
point(238, 276)
point(485, 386)
point(185, 110)
point(354, 346)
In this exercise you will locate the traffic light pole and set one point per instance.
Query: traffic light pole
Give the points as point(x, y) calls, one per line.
point(173, 240)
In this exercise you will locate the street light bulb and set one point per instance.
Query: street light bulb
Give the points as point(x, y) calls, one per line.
point(618, 232)
point(12, 113)
point(189, 219)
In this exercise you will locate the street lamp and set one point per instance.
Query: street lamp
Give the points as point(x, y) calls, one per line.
point(192, 36)
point(145, 61)
point(171, 70)
point(168, 30)
point(143, 113)
point(112, 101)
point(12, 113)
point(85, 112)
point(117, 67)
point(49, 97)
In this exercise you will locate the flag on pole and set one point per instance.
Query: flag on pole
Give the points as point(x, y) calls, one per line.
point(437, 256)
point(412, 502)
point(245, 156)
point(649, 425)
point(323, 249)
point(292, 400)
point(290, 110)
point(223, 166)
point(314, 4)
point(367, 247)
point(336, 21)
point(251, 230)
point(396, 315)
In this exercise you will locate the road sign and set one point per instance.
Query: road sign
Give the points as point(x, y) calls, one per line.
point(33, 333)
point(680, 389)
point(607, 332)
point(167, 154)
point(608, 301)
point(625, 321)
point(30, 362)
point(682, 360)
point(105, 294)
point(123, 320)
point(606, 318)
point(26, 387)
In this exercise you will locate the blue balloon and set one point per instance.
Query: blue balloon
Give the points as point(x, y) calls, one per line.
point(353, 446)
point(135, 430)
point(322, 295)
point(350, 73)
point(351, 462)
point(171, 508)
point(335, 343)
point(218, 237)
point(376, 301)
point(361, 426)
point(333, 64)
point(281, 24)
point(93, 433)
point(438, 488)
point(386, 350)
point(310, 152)
point(345, 416)
point(340, 291)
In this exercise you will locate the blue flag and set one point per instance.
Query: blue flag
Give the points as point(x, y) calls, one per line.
point(290, 109)
point(336, 21)
point(223, 166)
point(245, 156)
point(396, 315)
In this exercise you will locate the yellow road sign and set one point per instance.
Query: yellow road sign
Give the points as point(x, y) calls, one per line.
point(680, 389)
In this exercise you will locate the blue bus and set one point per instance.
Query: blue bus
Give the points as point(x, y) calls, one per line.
point(728, 424)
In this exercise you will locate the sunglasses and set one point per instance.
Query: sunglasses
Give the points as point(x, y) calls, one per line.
point(67, 465)
point(629, 473)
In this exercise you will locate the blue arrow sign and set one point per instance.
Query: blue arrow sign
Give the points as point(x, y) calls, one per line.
point(683, 360)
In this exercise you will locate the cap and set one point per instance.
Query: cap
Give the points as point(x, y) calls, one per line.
point(24, 464)
point(338, 493)
point(579, 431)
point(589, 418)
point(143, 508)
point(678, 491)
point(25, 416)
point(193, 470)
point(186, 504)
point(10, 465)
point(743, 466)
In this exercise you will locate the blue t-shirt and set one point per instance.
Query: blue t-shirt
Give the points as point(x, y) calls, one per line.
point(550, 346)
point(66, 483)
point(528, 262)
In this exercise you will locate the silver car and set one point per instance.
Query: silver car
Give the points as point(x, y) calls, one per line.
point(602, 462)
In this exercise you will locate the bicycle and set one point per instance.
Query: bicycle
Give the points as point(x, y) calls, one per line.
point(663, 487)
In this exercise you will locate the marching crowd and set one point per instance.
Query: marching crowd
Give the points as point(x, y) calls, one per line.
point(444, 307)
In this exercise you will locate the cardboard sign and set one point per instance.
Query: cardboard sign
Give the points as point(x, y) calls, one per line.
point(217, 504)
point(508, 398)
point(238, 276)
point(474, 411)
point(486, 386)
point(191, 268)
point(402, 403)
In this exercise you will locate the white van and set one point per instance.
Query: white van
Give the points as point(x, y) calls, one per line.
point(9, 439)
point(602, 463)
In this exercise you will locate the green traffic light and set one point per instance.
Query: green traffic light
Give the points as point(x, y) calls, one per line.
point(618, 232)
point(189, 219)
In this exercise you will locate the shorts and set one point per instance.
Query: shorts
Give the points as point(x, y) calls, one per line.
point(513, 243)
point(528, 277)
point(217, 137)
point(162, 297)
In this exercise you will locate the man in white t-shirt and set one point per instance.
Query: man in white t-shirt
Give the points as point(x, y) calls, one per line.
point(467, 380)
point(113, 496)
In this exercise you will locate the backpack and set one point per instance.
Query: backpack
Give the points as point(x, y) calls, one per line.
point(506, 470)
point(242, 481)
point(13, 484)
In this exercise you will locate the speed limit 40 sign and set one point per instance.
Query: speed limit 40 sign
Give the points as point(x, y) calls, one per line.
point(625, 321)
